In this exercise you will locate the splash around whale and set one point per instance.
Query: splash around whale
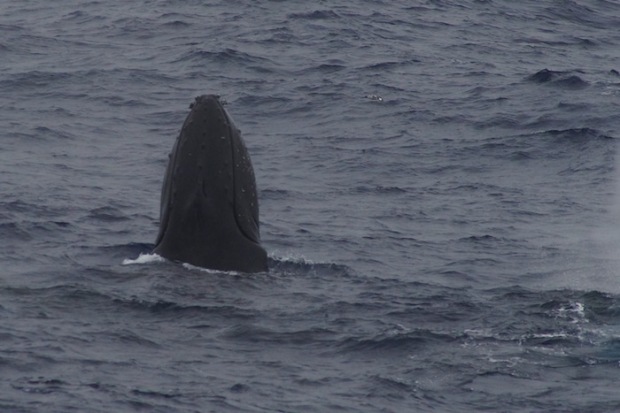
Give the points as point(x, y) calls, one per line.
point(209, 205)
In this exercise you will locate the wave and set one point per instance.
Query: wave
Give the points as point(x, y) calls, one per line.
point(391, 343)
point(315, 15)
point(287, 263)
point(566, 80)
point(226, 56)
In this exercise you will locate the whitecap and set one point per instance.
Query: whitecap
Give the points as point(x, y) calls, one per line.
point(144, 259)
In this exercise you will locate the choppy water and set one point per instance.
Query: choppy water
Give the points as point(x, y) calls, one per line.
point(438, 189)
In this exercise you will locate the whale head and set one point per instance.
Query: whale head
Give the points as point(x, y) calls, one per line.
point(209, 203)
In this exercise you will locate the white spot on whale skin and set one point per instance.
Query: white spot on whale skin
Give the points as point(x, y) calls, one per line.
point(144, 259)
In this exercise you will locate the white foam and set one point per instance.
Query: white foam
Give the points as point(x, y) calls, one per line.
point(574, 312)
point(202, 269)
point(154, 258)
point(291, 257)
point(144, 259)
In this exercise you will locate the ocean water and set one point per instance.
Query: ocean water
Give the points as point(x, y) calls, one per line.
point(439, 194)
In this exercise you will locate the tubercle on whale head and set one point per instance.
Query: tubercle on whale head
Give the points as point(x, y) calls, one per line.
point(201, 98)
point(206, 113)
point(208, 108)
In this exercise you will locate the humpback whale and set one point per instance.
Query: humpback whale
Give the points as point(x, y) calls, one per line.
point(209, 206)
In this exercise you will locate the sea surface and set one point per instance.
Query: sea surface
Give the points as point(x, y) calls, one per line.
point(439, 197)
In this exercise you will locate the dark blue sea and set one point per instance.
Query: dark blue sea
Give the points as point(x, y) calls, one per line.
point(439, 191)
